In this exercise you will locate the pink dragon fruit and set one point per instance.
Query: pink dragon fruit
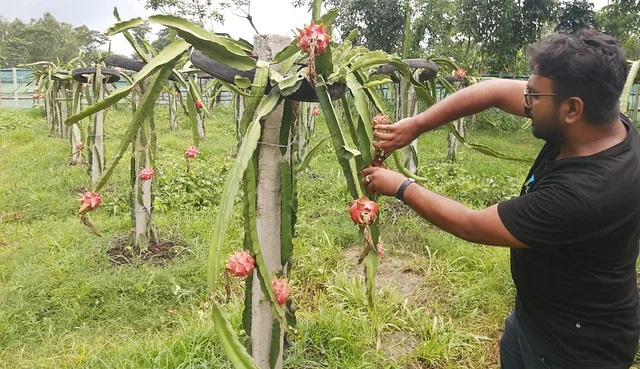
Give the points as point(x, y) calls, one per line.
point(198, 104)
point(315, 112)
point(79, 146)
point(146, 174)
point(314, 35)
point(90, 201)
point(35, 96)
point(461, 73)
point(191, 152)
point(380, 119)
point(282, 289)
point(240, 264)
point(363, 211)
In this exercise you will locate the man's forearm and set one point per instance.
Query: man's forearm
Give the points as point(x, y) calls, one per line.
point(444, 213)
point(506, 95)
point(479, 226)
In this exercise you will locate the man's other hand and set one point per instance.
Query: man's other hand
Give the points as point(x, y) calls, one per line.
point(382, 181)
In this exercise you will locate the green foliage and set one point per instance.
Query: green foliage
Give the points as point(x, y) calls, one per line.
point(10, 121)
point(496, 119)
point(47, 39)
point(63, 305)
point(476, 191)
point(576, 15)
point(380, 22)
point(198, 11)
point(622, 20)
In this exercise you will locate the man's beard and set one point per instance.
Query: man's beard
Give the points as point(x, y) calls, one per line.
point(550, 134)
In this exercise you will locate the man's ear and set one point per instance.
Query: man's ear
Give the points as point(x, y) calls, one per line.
point(573, 109)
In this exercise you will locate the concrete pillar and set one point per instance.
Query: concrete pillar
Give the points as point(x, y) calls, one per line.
point(268, 214)
point(15, 87)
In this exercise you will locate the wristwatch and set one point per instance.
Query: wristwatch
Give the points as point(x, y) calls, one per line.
point(403, 187)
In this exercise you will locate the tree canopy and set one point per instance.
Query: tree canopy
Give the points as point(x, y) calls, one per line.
point(46, 39)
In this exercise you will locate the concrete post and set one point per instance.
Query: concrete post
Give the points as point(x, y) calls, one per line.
point(15, 87)
point(268, 213)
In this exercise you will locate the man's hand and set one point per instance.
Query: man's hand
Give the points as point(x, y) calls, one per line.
point(382, 181)
point(395, 136)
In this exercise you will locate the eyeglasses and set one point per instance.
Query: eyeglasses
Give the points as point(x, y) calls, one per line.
point(527, 95)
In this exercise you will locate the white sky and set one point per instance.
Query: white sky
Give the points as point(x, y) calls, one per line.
point(269, 16)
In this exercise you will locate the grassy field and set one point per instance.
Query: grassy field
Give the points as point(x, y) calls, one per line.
point(441, 301)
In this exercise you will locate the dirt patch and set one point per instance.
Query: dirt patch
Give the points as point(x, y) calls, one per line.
point(4, 243)
point(392, 271)
point(397, 344)
point(11, 216)
point(79, 190)
point(120, 252)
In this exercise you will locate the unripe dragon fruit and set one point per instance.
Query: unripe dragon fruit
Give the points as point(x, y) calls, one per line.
point(79, 146)
point(191, 152)
point(240, 264)
point(282, 289)
point(198, 104)
point(315, 112)
point(461, 73)
point(313, 35)
point(146, 174)
point(363, 211)
point(90, 201)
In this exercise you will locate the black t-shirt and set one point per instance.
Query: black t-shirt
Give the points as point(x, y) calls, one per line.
point(577, 299)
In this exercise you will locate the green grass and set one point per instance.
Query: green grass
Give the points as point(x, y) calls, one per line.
point(441, 303)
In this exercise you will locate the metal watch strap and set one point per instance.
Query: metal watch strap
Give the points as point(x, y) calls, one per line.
point(403, 187)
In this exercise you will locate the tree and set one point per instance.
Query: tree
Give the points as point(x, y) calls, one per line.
point(576, 15)
point(380, 22)
point(621, 19)
point(47, 39)
point(163, 39)
point(197, 11)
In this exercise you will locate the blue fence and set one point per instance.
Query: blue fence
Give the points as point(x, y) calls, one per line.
point(15, 92)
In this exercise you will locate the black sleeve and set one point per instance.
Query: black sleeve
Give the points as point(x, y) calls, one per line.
point(552, 216)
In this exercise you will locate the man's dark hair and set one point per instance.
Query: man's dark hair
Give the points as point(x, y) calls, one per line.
point(586, 64)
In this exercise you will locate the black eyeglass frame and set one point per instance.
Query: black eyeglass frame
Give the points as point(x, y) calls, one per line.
point(527, 95)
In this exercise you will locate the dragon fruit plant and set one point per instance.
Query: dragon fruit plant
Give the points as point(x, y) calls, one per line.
point(329, 67)
point(364, 212)
point(240, 264)
point(146, 174)
point(282, 289)
point(190, 153)
point(89, 202)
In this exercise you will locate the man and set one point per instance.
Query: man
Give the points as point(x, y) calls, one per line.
point(574, 229)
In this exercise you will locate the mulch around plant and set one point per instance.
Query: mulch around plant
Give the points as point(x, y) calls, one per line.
point(120, 252)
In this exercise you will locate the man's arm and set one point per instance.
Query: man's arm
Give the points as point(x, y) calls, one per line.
point(506, 95)
point(479, 226)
